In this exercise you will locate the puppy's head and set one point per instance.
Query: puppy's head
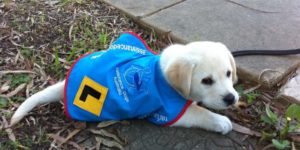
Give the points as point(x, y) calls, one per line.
point(202, 71)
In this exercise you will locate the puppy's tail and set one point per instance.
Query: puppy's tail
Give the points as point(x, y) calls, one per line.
point(51, 94)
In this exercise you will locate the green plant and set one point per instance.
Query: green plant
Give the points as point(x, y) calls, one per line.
point(153, 42)
point(26, 52)
point(12, 145)
point(252, 96)
point(42, 18)
point(281, 144)
point(270, 117)
point(3, 102)
point(293, 111)
point(56, 66)
point(280, 125)
point(18, 79)
point(103, 38)
point(18, 99)
point(71, 55)
point(66, 2)
point(240, 88)
point(86, 37)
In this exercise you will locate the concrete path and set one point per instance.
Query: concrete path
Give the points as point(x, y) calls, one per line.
point(240, 24)
point(143, 135)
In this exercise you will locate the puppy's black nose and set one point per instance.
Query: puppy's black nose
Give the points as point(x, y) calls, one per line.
point(229, 99)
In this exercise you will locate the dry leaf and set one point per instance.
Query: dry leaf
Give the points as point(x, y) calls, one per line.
point(16, 91)
point(61, 140)
point(79, 125)
point(244, 130)
point(106, 124)
point(107, 134)
point(5, 87)
point(73, 133)
point(251, 89)
point(8, 130)
point(109, 143)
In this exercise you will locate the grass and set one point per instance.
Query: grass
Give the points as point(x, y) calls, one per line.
point(17, 79)
point(85, 38)
point(26, 52)
point(3, 102)
point(68, 2)
point(56, 66)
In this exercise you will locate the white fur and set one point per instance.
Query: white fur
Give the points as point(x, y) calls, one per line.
point(196, 116)
point(51, 94)
point(184, 67)
point(210, 59)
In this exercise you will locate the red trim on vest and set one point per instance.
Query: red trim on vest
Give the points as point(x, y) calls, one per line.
point(188, 103)
point(144, 42)
point(66, 84)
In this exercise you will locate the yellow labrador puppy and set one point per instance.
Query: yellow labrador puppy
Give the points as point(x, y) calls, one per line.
point(199, 71)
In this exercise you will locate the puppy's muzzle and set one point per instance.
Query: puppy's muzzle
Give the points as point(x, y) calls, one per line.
point(229, 99)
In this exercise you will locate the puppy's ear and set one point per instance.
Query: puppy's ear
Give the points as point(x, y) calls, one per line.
point(233, 65)
point(179, 74)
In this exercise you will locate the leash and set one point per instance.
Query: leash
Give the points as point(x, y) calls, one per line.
point(265, 52)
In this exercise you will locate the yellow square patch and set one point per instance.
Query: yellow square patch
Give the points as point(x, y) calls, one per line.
point(90, 96)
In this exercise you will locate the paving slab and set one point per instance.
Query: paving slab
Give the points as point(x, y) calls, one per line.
point(291, 90)
point(143, 135)
point(140, 8)
point(240, 25)
point(276, 6)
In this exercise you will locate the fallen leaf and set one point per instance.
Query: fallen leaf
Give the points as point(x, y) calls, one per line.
point(29, 86)
point(16, 91)
point(5, 87)
point(52, 2)
point(106, 124)
point(79, 125)
point(107, 134)
point(73, 133)
point(109, 143)
point(295, 137)
point(293, 146)
point(61, 140)
point(15, 72)
point(8, 130)
point(251, 89)
point(244, 130)
point(98, 144)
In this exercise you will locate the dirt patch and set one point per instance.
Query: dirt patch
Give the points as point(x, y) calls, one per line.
point(44, 38)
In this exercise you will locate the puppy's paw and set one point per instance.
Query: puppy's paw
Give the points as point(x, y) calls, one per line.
point(222, 124)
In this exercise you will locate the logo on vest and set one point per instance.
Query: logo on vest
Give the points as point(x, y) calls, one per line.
point(136, 76)
point(90, 96)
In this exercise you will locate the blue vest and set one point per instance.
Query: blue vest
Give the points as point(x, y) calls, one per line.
point(123, 82)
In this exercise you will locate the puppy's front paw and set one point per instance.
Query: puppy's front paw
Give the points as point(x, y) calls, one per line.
point(222, 124)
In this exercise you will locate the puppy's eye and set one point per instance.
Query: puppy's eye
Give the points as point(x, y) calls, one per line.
point(228, 73)
point(207, 81)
